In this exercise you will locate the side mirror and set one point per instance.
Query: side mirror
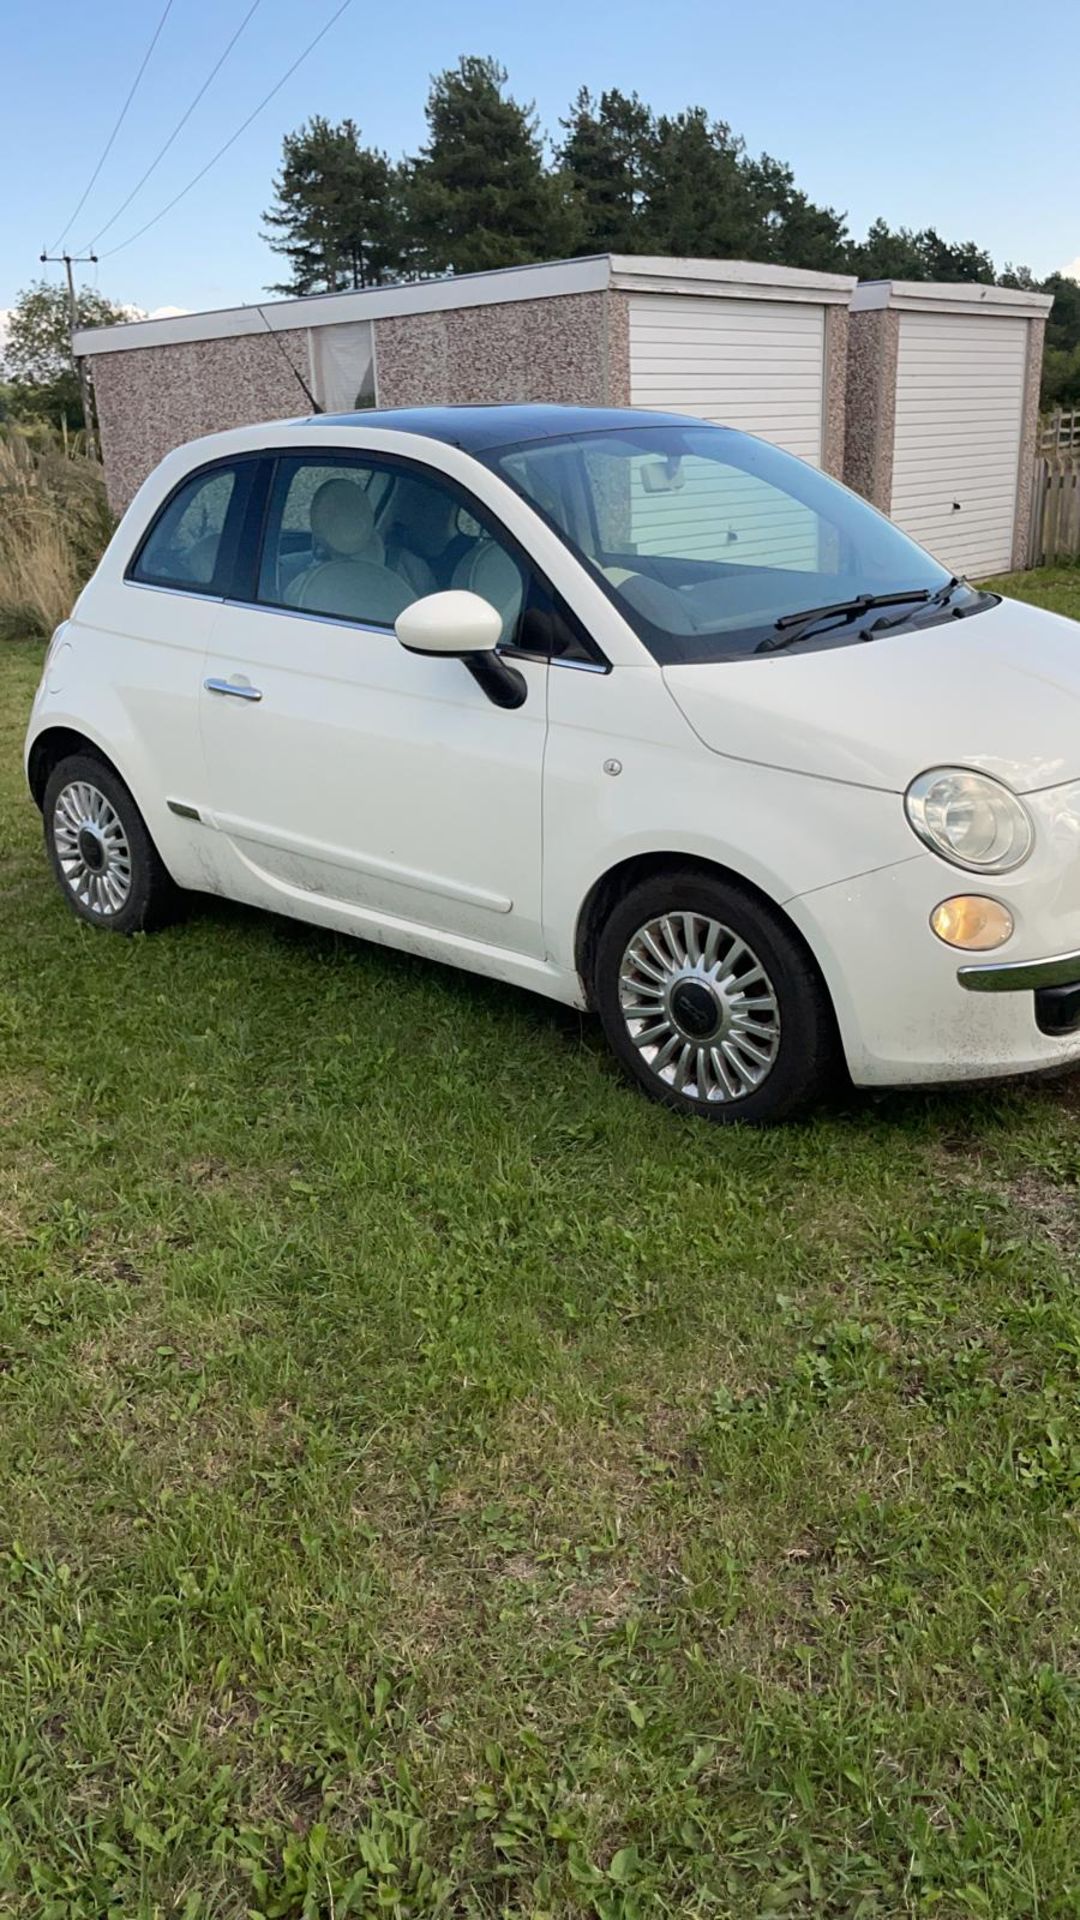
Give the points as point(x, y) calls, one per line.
point(456, 622)
point(463, 626)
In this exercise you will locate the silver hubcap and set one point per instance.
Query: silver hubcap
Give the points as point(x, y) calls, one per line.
point(700, 1007)
point(92, 848)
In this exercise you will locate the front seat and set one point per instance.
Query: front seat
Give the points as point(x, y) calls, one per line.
point(422, 541)
point(347, 575)
point(491, 572)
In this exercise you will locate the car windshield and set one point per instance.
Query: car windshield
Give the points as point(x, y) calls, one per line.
point(706, 538)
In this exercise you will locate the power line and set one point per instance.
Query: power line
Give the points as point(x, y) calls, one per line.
point(180, 125)
point(231, 142)
point(119, 123)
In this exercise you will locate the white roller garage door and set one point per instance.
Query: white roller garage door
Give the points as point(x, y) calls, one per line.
point(754, 364)
point(956, 456)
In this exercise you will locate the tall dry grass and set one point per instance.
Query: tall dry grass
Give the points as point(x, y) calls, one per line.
point(54, 523)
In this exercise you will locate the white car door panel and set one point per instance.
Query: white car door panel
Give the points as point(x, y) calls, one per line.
point(373, 777)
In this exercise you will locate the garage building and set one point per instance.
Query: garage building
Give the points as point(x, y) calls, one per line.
point(943, 398)
point(758, 347)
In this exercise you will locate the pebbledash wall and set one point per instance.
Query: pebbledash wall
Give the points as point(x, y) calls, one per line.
point(761, 347)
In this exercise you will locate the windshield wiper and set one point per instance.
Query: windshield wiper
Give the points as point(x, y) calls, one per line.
point(793, 627)
point(939, 599)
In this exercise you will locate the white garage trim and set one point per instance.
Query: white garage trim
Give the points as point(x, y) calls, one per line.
point(940, 296)
point(719, 279)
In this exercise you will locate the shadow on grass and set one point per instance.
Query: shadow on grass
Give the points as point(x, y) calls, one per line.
point(950, 1116)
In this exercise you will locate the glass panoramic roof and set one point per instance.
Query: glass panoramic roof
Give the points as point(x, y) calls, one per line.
point(479, 428)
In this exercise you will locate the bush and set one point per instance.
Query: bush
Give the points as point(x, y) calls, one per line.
point(1061, 377)
point(54, 524)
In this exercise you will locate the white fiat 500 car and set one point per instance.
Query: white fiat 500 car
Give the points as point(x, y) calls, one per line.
point(641, 713)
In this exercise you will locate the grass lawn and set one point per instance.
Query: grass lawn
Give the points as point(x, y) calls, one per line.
point(434, 1481)
point(1055, 587)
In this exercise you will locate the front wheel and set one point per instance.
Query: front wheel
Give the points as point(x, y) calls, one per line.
point(107, 866)
point(710, 1003)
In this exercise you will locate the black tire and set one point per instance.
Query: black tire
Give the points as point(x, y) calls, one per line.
point(130, 892)
point(760, 988)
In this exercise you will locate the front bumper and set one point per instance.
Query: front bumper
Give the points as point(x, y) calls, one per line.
point(1054, 985)
point(913, 1011)
point(1021, 976)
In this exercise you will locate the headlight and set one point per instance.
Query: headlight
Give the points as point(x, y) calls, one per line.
point(970, 819)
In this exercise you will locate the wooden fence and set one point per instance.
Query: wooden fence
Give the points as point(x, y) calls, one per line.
point(1055, 505)
point(1059, 429)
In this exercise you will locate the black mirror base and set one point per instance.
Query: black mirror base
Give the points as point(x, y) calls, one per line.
point(504, 685)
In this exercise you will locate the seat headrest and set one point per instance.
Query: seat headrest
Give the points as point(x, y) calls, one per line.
point(491, 572)
point(341, 518)
point(423, 517)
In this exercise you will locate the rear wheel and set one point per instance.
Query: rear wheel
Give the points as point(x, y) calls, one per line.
point(710, 1003)
point(106, 864)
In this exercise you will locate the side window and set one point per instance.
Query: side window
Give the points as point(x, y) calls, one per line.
point(184, 544)
point(360, 541)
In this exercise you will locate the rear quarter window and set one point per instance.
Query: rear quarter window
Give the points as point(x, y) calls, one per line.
point(184, 546)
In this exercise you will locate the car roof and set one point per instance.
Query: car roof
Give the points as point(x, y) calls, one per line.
point(479, 429)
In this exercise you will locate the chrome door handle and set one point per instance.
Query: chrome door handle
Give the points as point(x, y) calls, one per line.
point(239, 690)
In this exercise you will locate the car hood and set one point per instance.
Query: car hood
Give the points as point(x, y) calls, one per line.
point(999, 690)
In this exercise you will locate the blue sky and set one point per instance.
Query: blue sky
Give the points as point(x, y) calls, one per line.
point(937, 113)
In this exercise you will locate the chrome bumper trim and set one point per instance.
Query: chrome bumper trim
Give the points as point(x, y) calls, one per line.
point(1019, 976)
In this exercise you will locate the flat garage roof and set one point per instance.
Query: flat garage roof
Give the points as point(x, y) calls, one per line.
point(744, 279)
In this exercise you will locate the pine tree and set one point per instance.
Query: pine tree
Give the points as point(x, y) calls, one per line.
point(796, 232)
point(699, 200)
point(948, 260)
point(902, 254)
point(478, 193)
point(608, 159)
point(337, 215)
point(887, 254)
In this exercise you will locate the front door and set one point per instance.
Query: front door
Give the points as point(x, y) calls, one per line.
point(343, 771)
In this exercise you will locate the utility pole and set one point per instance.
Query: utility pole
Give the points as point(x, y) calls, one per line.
point(70, 260)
